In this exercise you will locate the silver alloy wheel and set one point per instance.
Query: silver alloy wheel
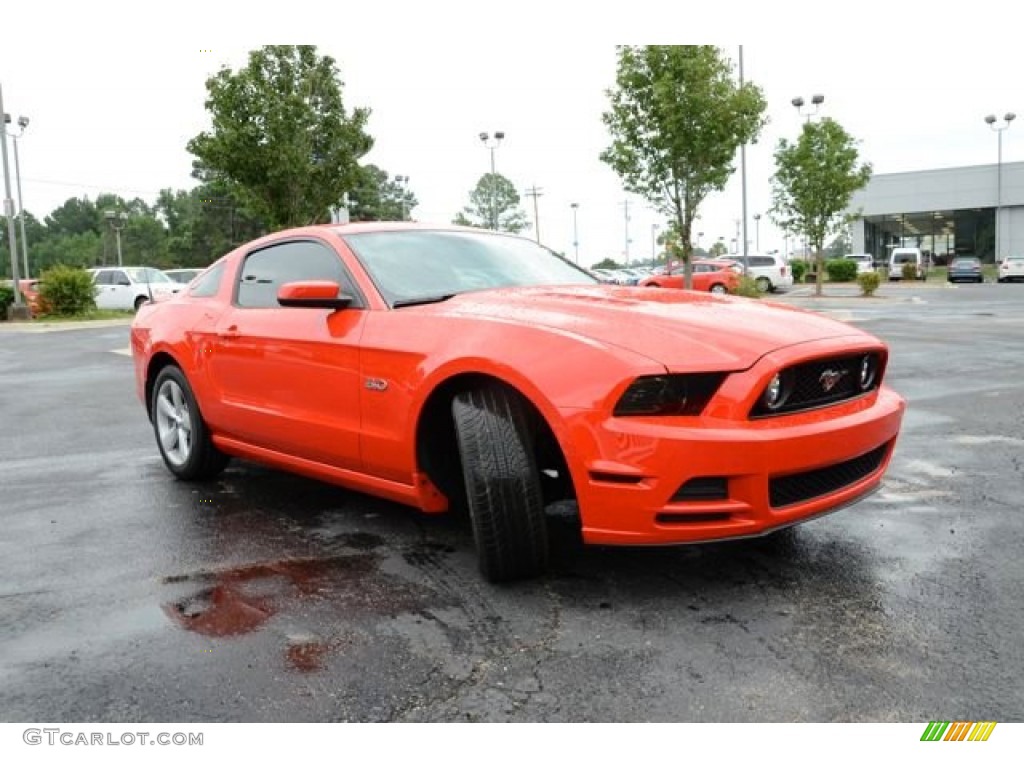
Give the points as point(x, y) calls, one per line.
point(718, 288)
point(174, 423)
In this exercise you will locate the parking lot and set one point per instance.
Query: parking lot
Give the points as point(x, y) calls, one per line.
point(128, 596)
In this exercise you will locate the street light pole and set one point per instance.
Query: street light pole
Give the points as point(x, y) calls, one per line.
point(18, 309)
point(743, 175)
point(991, 120)
point(23, 124)
point(493, 145)
point(757, 232)
point(654, 244)
point(816, 101)
point(401, 181)
point(116, 221)
point(575, 232)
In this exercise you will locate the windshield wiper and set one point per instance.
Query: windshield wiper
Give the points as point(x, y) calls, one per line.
point(422, 300)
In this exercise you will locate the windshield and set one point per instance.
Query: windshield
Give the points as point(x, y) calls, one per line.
point(966, 262)
point(147, 275)
point(410, 266)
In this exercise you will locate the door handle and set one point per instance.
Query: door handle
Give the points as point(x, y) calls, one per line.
point(231, 332)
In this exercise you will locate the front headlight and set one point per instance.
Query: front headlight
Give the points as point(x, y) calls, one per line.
point(669, 395)
point(868, 372)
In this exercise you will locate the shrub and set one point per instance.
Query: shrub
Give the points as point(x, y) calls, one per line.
point(6, 299)
point(747, 286)
point(799, 270)
point(869, 282)
point(67, 291)
point(841, 270)
point(909, 270)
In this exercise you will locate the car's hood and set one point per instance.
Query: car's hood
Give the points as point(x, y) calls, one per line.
point(684, 330)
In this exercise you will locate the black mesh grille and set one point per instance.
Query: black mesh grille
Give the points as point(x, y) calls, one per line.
point(806, 385)
point(793, 489)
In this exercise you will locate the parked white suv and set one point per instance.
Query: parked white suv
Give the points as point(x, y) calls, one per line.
point(131, 287)
point(769, 272)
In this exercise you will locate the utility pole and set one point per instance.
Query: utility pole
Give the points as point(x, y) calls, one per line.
point(625, 210)
point(18, 310)
point(743, 176)
point(535, 192)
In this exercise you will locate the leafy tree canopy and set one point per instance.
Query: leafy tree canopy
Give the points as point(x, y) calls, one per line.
point(493, 204)
point(281, 139)
point(813, 183)
point(377, 197)
point(677, 118)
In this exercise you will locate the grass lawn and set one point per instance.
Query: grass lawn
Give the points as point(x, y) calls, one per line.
point(96, 314)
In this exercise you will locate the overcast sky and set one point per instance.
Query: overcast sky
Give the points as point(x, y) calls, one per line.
point(114, 93)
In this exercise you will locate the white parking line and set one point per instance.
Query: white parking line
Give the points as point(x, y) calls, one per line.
point(126, 351)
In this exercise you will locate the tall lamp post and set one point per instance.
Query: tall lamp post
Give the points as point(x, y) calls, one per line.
point(991, 120)
point(18, 310)
point(816, 102)
point(402, 181)
point(757, 232)
point(117, 220)
point(575, 232)
point(492, 143)
point(654, 243)
point(22, 124)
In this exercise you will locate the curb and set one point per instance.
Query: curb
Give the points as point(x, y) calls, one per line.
point(73, 325)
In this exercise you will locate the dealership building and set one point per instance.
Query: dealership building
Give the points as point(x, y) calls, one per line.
point(945, 212)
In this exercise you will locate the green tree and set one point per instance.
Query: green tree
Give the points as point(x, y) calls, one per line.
point(676, 120)
point(813, 183)
point(493, 204)
point(719, 249)
point(379, 198)
point(204, 223)
point(73, 217)
point(281, 137)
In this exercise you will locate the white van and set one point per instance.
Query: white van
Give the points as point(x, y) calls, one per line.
point(901, 256)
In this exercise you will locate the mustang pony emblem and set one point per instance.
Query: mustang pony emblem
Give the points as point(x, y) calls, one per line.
point(829, 378)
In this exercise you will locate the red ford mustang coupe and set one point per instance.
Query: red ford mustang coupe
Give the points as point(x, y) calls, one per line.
point(448, 367)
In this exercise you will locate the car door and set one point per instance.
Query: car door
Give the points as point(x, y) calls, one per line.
point(701, 277)
point(106, 281)
point(287, 378)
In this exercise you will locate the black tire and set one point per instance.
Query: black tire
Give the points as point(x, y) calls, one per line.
point(194, 458)
point(139, 301)
point(503, 491)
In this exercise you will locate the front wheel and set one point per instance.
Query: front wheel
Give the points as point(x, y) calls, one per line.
point(503, 489)
point(181, 434)
point(718, 288)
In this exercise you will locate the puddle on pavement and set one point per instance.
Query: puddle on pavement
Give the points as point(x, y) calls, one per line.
point(241, 600)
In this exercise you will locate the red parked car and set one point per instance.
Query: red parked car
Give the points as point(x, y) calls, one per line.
point(711, 276)
point(444, 367)
point(30, 290)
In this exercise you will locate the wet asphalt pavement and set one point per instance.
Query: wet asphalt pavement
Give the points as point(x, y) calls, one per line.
point(128, 596)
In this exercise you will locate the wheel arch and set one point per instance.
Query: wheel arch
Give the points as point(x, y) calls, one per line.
point(157, 363)
point(436, 447)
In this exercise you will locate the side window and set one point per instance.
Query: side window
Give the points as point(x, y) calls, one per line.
point(117, 277)
point(209, 283)
point(266, 270)
point(102, 277)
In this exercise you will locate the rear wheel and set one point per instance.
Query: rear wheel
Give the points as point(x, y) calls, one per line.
point(139, 301)
point(181, 434)
point(503, 490)
point(763, 284)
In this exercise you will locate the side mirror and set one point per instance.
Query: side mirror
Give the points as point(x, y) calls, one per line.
point(312, 293)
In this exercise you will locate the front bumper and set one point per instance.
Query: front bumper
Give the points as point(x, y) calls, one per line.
point(775, 472)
